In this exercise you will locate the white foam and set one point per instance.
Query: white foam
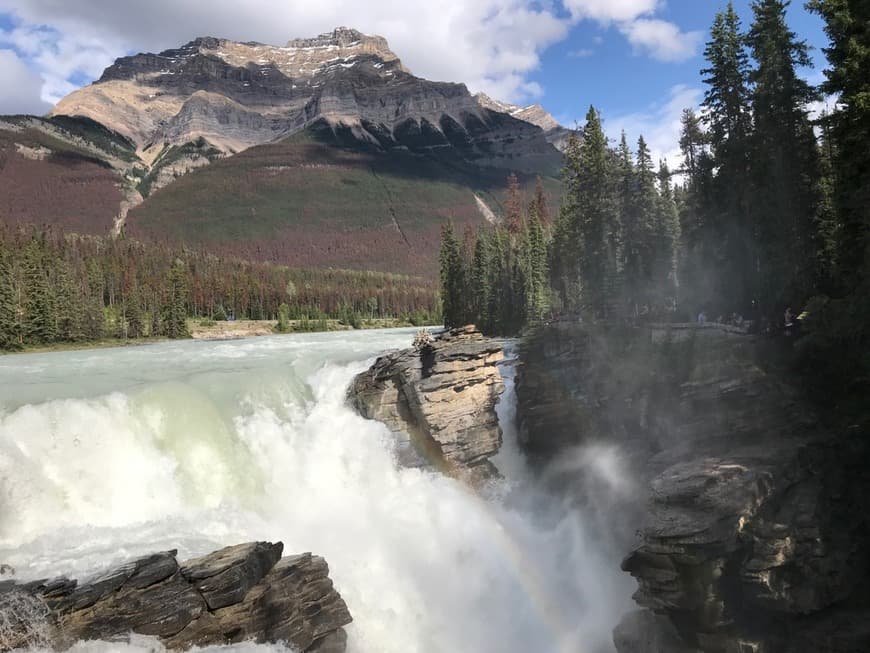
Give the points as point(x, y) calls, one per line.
point(207, 449)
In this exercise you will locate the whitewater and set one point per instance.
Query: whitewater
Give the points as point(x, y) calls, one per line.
point(106, 455)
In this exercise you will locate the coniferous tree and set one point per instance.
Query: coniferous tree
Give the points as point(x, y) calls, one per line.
point(596, 216)
point(68, 305)
point(727, 112)
point(566, 250)
point(175, 324)
point(667, 234)
point(39, 317)
point(784, 161)
point(848, 133)
point(9, 332)
point(480, 281)
point(453, 285)
point(536, 274)
point(640, 233)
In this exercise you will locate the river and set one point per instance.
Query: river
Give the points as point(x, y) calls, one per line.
point(114, 453)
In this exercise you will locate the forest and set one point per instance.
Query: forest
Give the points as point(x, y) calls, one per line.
point(768, 213)
point(57, 288)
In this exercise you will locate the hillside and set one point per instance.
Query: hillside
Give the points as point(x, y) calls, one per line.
point(64, 172)
point(322, 152)
point(312, 201)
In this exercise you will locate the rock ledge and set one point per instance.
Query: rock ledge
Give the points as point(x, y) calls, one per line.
point(243, 592)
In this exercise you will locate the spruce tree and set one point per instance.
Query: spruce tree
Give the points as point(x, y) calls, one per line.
point(453, 286)
point(39, 323)
point(667, 234)
point(727, 112)
point(848, 132)
point(597, 217)
point(785, 166)
point(480, 282)
point(9, 332)
point(175, 320)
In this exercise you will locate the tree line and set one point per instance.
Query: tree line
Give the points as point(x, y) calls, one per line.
point(57, 287)
point(770, 209)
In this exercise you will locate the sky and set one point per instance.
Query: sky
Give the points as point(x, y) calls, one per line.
point(637, 61)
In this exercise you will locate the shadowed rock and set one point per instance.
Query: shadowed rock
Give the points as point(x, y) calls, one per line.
point(751, 522)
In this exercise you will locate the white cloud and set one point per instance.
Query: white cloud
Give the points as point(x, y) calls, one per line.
point(659, 124)
point(662, 40)
point(606, 11)
point(21, 86)
point(491, 45)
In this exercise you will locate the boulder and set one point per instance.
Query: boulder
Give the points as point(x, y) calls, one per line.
point(243, 592)
point(439, 399)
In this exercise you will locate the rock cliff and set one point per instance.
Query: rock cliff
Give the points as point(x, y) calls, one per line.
point(236, 95)
point(244, 592)
point(752, 532)
point(440, 401)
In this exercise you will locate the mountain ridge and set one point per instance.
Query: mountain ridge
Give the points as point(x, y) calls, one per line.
point(416, 152)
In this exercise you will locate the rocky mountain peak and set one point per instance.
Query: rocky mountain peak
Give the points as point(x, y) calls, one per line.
point(534, 114)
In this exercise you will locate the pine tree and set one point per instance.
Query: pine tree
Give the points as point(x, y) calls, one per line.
point(536, 271)
point(453, 285)
point(596, 217)
point(9, 331)
point(848, 132)
point(785, 167)
point(39, 318)
point(667, 235)
point(68, 304)
point(480, 281)
point(566, 249)
point(727, 112)
point(135, 315)
point(175, 320)
point(640, 233)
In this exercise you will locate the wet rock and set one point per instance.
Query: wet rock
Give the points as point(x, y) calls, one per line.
point(441, 398)
point(244, 592)
point(752, 521)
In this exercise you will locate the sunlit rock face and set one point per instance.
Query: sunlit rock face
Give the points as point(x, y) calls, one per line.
point(442, 396)
point(752, 530)
point(236, 95)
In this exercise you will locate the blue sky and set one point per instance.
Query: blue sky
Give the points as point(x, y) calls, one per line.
point(638, 61)
point(580, 71)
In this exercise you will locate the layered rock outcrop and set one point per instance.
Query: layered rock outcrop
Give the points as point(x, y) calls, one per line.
point(236, 95)
point(439, 399)
point(753, 524)
point(240, 593)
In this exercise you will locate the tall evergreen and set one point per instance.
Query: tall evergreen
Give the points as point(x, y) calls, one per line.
point(784, 164)
point(481, 279)
point(727, 112)
point(39, 323)
point(667, 236)
point(597, 217)
point(536, 272)
point(9, 331)
point(847, 25)
point(174, 323)
point(453, 285)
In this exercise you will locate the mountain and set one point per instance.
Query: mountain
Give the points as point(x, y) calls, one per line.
point(324, 151)
point(534, 114)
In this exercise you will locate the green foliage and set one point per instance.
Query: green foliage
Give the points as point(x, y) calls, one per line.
point(10, 336)
point(283, 325)
point(56, 288)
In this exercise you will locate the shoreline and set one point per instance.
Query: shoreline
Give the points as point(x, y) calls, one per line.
point(224, 330)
